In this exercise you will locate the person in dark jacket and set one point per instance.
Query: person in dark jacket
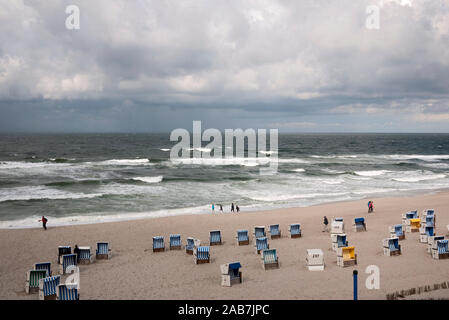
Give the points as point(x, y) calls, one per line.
point(325, 222)
point(44, 222)
point(77, 252)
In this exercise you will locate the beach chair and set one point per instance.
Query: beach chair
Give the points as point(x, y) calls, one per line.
point(201, 254)
point(391, 246)
point(175, 242)
point(397, 231)
point(295, 230)
point(315, 259)
point(338, 241)
point(85, 255)
point(47, 287)
point(43, 266)
point(261, 244)
point(242, 237)
point(440, 249)
point(103, 251)
point(67, 292)
point(230, 274)
point(339, 219)
point(270, 259)
point(337, 227)
point(275, 232)
point(427, 213)
point(346, 256)
point(359, 224)
point(259, 232)
point(429, 221)
point(413, 225)
point(68, 260)
point(427, 232)
point(62, 250)
point(32, 280)
point(431, 240)
point(447, 229)
point(158, 244)
point(409, 215)
point(190, 244)
point(215, 238)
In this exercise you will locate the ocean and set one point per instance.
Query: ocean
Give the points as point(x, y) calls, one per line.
point(91, 178)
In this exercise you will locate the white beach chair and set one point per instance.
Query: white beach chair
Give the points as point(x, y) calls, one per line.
point(315, 259)
point(230, 274)
point(431, 240)
point(391, 246)
point(337, 227)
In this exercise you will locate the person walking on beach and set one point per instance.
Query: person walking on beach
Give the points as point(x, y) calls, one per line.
point(237, 208)
point(370, 206)
point(221, 208)
point(77, 252)
point(44, 222)
point(213, 207)
point(325, 222)
point(232, 207)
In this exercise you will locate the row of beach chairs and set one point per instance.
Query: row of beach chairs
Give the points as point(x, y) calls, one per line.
point(41, 279)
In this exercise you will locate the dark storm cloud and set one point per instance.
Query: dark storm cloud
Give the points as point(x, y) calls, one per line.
point(157, 65)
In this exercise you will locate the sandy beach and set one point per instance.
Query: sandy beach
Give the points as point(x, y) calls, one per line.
point(135, 272)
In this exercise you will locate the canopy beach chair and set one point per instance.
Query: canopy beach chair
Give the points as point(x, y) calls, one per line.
point(175, 242)
point(190, 244)
point(427, 213)
point(359, 224)
point(426, 232)
point(346, 256)
point(67, 292)
point(259, 232)
point(338, 241)
point(230, 274)
point(215, 238)
point(103, 251)
point(85, 255)
point(315, 259)
point(261, 244)
point(409, 215)
point(43, 266)
point(295, 230)
point(47, 287)
point(275, 232)
point(337, 226)
point(431, 240)
point(429, 221)
point(32, 280)
point(440, 249)
point(397, 231)
point(158, 244)
point(62, 250)
point(391, 246)
point(68, 261)
point(242, 237)
point(270, 259)
point(201, 254)
point(412, 225)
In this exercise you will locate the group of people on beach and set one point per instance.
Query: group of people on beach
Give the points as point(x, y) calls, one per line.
point(234, 208)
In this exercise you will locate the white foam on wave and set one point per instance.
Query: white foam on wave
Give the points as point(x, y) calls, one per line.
point(156, 179)
point(123, 162)
point(418, 178)
point(272, 197)
point(268, 152)
point(299, 170)
point(431, 158)
point(8, 165)
point(40, 193)
point(164, 149)
point(371, 173)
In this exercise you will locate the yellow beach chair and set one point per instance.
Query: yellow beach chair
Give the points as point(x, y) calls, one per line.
point(346, 256)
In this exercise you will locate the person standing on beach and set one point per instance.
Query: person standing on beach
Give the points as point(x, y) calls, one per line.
point(77, 252)
point(44, 222)
point(232, 207)
point(237, 208)
point(213, 207)
point(370, 206)
point(325, 222)
point(221, 208)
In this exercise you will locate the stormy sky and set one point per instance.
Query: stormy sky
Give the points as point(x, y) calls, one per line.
point(295, 65)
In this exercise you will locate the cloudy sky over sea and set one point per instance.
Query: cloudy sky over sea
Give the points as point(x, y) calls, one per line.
point(152, 66)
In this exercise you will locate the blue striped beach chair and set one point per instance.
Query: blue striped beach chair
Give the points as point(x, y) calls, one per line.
point(32, 280)
point(242, 237)
point(175, 242)
point(391, 247)
point(295, 230)
point(359, 224)
point(103, 251)
point(230, 274)
point(68, 260)
point(397, 231)
point(85, 255)
point(275, 232)
point(270, 259)
point(64, 292)
point(430, 221)
point(158, 244)
point(442, 250)
point(261, 244)
point(47, 288)
point(190, 244)
point(62, 250)
point(215, 238)
point(201, 254)
point(259, 232)
point(43, 266)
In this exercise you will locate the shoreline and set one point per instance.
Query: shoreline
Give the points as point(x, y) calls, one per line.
point(76, 223)
point(138, 273)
